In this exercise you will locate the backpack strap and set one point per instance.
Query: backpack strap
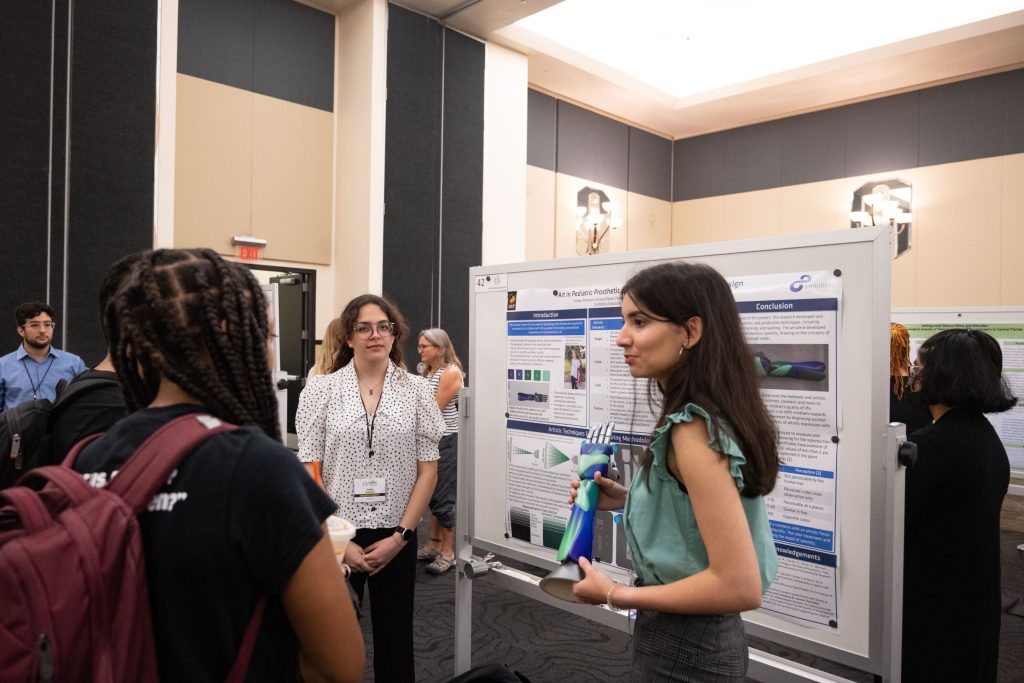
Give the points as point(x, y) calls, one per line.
point(241, 666)
point(69, 460)
point(149, 467)
point(33, 514)
point(67, 480)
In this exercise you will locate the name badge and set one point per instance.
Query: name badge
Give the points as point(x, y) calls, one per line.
point(369, 490)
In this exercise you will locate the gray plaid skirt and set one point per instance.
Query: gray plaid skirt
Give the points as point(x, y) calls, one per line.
point(683, 647)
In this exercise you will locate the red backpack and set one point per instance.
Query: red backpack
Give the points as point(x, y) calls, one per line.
point(72, 574)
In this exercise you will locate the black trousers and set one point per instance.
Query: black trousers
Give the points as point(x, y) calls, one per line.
point(391, 608)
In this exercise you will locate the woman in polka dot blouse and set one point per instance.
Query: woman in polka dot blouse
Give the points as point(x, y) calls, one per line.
point(375, 428)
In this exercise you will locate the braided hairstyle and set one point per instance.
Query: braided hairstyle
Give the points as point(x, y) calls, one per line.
point(201, 322)
point(899, 358)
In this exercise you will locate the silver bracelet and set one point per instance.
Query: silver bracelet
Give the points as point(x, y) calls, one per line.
point(608, 595)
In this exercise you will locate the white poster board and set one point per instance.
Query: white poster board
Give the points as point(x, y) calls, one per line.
point(532, 403)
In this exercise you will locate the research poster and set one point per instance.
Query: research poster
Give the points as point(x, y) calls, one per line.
point(791, 322)
point(1009, 425)
point(565, 373)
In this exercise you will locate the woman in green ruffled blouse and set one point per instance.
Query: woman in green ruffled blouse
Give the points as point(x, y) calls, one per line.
point(695, 514)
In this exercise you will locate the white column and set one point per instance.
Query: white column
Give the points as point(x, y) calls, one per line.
point(504, 191)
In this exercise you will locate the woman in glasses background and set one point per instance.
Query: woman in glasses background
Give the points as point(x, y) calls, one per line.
point(441, 366)
point(375, 430)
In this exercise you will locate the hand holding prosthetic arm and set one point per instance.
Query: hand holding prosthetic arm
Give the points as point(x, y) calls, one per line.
point(596, 455)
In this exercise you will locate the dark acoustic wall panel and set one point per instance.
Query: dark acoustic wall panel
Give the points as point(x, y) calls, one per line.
point(592, 146)
point(881, 135)
point(1013, 108)
point(650, 164)
point(699, 167)
point(462, 182)
point(113, 135)
point(412, 152)
point(215, 40)
point(971, 119)
point(293, 53)
point(753, 157)
point(813, 147)
point(962, 121)
point(541, 130)
point(25, 53)
point(278, 48)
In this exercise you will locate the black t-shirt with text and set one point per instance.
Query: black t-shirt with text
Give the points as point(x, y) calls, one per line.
point(234, 522)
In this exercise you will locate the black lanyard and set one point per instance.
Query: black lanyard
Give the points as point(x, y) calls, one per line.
point(370, 424)
point(36, 387)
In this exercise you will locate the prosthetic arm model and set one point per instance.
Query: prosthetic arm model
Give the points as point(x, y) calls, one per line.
point(596, 455)
point(539, 398)
point(808, 369)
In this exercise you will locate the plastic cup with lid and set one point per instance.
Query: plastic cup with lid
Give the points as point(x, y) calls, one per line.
point(341, 531)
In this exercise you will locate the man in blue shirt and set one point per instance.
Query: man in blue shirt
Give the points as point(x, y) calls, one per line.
point(34, 370)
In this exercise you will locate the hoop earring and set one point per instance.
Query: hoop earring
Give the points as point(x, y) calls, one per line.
point(681, 349)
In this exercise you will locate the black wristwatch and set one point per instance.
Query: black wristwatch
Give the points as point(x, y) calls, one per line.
point(406, 534)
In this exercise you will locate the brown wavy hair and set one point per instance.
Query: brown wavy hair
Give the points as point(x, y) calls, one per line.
point(899, 358)
point(718, 372)
point(350, 316)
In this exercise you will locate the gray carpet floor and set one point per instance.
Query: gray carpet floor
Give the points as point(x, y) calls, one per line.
point(549, 646)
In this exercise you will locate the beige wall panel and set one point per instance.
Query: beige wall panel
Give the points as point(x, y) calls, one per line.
point(698, 220)
point(905, 276)
point(649, 222)
point(213, 162)
point(540, 214)
point(958, 211)
point(816, 207)
point(566, 189)
point(1012, 247)
point(752, 214)
point(292, 179)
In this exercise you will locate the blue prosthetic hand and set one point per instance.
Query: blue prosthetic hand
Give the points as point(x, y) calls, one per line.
point(596, 455)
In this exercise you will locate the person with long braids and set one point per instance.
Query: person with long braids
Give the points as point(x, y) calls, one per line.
point(239, 523)
point(443, 369)
point(695, 516)
point(903, 404)
point(375, 429)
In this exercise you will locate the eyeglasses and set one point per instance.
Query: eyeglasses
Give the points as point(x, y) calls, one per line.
point(383, 328)
point(420, 347)
point(35, 325)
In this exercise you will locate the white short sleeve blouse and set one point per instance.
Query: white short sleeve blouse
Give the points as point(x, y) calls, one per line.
point(334, 428)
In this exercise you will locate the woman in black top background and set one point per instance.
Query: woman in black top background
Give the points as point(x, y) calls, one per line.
point(951, 593)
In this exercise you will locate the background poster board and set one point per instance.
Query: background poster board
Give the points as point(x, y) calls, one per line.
point(1006, 325)
point(530, 412)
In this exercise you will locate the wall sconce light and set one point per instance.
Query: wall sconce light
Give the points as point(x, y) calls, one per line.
point(595, 216)
point(885, 202)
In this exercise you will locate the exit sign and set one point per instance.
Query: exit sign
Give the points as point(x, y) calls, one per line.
point(249, 253)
